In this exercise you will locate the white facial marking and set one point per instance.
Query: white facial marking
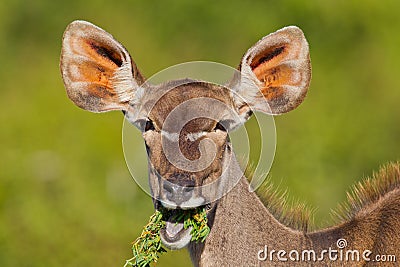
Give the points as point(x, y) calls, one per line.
point(192, 203)
point(168, 204)
point(174, 137)
point(194, 136)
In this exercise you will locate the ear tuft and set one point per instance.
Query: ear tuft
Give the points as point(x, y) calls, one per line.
point(276, 72)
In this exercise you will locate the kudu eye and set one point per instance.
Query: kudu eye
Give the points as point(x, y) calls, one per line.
point(220, 126)
point(145, 125)
point(149, 126)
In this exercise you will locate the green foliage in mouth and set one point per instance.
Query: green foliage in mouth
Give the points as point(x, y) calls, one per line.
point(147, 248)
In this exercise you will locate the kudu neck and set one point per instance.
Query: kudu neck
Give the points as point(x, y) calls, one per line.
point(241, 222)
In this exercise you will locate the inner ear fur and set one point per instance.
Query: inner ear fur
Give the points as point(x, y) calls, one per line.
point(276, 72)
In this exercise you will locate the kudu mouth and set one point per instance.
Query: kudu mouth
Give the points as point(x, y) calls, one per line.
point(175, 235)
point(179, 197)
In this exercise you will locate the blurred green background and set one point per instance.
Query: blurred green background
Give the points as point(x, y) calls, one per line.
point(66, 196)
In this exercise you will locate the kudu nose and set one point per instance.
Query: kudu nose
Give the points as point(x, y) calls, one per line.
point(178, 189)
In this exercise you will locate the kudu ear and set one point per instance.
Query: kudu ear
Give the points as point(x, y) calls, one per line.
point(275, 72)
point(98, 72)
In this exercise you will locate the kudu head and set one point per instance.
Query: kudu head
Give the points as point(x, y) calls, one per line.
point(185, 123)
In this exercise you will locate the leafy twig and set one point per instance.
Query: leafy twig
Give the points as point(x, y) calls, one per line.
point(147, 248)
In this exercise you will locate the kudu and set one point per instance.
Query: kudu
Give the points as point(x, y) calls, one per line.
point(99, 75)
